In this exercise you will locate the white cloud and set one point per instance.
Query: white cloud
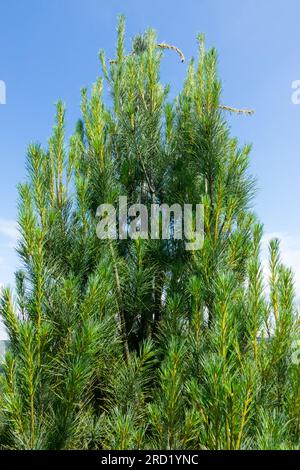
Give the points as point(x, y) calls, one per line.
point(8, 259)
point(289, 252)
point(8, 229)
point(8, 243)
point(3, 333)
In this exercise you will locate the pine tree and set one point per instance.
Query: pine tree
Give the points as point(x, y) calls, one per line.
point(138, 344)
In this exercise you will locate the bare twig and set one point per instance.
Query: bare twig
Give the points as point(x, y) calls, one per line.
point(122, 322)
point(248, 112)
point(114, 61)
point(162, 45)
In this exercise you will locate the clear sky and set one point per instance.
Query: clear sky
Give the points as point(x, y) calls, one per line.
point(49, 50)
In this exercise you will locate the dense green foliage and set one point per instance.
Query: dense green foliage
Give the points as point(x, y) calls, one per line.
point(140, 344)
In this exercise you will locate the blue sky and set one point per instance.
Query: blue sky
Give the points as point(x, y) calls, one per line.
point(49, 50)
